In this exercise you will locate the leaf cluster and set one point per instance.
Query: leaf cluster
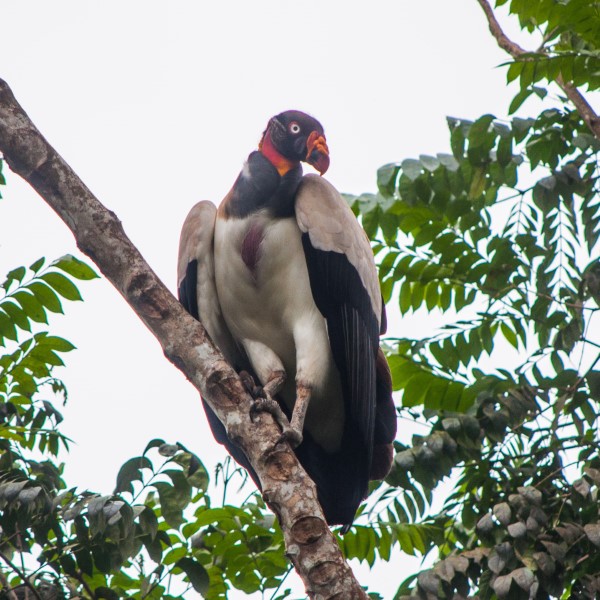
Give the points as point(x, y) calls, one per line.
point(501, 237)
point(158, 530)
point(569, 46)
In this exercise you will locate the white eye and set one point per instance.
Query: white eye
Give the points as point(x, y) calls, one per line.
point(294, 128)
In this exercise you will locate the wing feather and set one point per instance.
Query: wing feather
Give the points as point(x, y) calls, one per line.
point(346, 290)
point(198, 295)
point(323, 214)
point(196, 278)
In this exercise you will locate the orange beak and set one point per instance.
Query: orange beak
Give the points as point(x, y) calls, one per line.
point(317, 152)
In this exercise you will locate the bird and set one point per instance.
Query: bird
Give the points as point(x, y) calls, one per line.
point(283, 278)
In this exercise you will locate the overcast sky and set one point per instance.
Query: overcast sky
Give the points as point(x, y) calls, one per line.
point(157, 104)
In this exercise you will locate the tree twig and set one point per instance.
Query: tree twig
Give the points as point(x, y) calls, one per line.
point(21, 574)
point(84, 583)
point(287, 488)
point(10, 593)
point(503, 41)
point(585, 110)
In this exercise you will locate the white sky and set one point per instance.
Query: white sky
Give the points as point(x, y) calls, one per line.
point(156, 105)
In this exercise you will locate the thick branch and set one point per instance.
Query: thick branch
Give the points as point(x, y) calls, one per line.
point(99, 234)
point(583, 107)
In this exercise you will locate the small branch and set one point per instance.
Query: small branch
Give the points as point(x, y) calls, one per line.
point(86, 587)
point(287, 489)
point(588, 114)
point(506, 44)
point(21, 574)
point(585, 110)
point(10, 593)
point(586, 341)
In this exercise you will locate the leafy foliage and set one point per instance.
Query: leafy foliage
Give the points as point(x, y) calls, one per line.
point(569, 48)
point(501, 236)
point(158, 527)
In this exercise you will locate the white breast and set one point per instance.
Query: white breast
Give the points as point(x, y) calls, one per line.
point(272, 305)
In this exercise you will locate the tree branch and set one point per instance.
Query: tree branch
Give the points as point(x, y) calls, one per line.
point(21, 574)
point(79, 576)
point(585, 110)
point(287, 489)
point(507, 45)
point(10, 593)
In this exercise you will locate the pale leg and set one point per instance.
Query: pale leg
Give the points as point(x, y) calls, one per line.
point(271, 373)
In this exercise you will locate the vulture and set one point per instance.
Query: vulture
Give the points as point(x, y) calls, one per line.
point(283, 279)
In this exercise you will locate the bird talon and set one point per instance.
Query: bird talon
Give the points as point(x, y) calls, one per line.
point(262, 404)
point(250, 385)
point(288, 433)
point(265, 404)
point(255, 409)
point(291, 436)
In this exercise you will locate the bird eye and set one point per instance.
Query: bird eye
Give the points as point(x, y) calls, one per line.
point(294, 128)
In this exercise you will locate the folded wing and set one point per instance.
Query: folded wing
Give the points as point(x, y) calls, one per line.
point(198, 295)
point(346, 290)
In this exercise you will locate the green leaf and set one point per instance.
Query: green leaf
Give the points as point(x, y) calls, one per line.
point(386, 178)
point(107, 593)
point(448, 161)
point(505, 150)
point(60, 284)
point(514, 71)
point(38, 264)
point(173, 499)
point(518, 100)
point(132, 471)
point(509, 335)
point(370, 222)
point(411, 168)
point(477, 183)
point(405, 297)
point(416, 388)
point(17, 315)
point(431, 163)
point(45, 296)
point(155, 443)
point(7, 328)
point(31, 306)
point(75, 267)
point(479, 132)
point(16, 274)
point(54, 342)
point(593, 381)
point(148, 522)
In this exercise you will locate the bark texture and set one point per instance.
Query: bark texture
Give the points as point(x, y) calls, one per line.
point(99, 234)
point(584, 108)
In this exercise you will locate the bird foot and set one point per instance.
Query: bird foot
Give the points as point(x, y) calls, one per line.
point(250, 385)
point(264, 404)
point(288, 433)
point(291, 436)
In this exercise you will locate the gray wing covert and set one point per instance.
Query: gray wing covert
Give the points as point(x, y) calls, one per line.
point(196, 277)
point(198, 295)
point(346, 290)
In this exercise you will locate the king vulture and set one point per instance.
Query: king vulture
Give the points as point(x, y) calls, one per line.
point(282, 277)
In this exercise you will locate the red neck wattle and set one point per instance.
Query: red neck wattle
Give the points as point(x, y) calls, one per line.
point(280, 162)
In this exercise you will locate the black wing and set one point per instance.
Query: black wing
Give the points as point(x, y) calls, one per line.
point(346, 290)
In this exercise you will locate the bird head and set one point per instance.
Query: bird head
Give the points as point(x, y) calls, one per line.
point(293, 136)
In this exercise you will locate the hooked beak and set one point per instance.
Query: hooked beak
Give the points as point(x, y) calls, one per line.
point(317, 152)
